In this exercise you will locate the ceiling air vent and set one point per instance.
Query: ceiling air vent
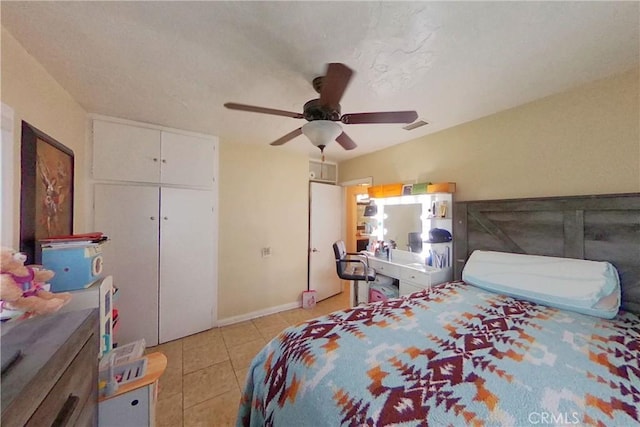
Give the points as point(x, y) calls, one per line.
point(415, 125)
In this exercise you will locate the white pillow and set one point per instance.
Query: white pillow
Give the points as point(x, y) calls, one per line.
point(588, 287)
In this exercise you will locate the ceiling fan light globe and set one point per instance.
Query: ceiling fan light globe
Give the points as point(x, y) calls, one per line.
point(321, 132)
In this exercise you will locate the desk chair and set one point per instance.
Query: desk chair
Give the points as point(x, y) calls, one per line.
point(353, 269)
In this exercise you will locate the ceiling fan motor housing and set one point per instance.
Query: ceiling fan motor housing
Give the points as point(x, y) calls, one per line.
point(314, 111)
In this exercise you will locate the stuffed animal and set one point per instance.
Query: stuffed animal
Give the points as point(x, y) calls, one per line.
point(21, 286)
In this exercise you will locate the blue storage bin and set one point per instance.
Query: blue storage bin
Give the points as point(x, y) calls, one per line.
point(75, 267)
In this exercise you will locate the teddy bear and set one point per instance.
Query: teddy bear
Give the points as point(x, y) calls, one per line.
point(21, 286)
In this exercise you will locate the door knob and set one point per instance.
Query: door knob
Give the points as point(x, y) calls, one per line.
point(152, 218)
point(314, 250)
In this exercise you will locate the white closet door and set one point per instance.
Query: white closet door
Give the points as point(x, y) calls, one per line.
point(125, 153)
point(187, 283)
point(187, 160)
point(129, 216)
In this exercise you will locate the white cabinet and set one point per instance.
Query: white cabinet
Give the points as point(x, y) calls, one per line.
point(133, 409)
point(384, 267)
point(157, 207)
point(187, 237)
point(126, 152)
point(129, 216)
point(323, 171)
point(162, 251)
point(413, 280)
point(408, 268)
point(186, 160)
point(407, 288)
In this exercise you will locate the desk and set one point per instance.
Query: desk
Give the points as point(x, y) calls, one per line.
point(408, 268)
point(134, 403)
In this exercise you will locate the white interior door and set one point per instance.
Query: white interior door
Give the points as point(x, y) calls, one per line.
point(187, 283)
point(325, 219)
point(128, 214)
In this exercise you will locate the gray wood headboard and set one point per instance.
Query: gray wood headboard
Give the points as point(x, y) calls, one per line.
point(599, 228)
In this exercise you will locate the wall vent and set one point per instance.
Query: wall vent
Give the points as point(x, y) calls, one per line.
point(415, 125)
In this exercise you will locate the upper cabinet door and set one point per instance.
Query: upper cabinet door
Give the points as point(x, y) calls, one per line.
point(125, 153)
point(187, 160)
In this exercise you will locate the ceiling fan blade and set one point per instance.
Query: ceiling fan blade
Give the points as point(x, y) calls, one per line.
point(288, 137)
point(254, 109)
point(381, 117)
point(334, 84)
point(346, 141)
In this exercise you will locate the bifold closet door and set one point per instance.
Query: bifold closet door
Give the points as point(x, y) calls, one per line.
point(187, 290)
point(129, 216)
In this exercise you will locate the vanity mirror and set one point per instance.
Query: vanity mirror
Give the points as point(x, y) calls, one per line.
point(407, 220)
point(399, 221)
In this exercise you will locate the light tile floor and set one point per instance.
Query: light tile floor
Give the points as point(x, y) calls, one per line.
point(206, 371)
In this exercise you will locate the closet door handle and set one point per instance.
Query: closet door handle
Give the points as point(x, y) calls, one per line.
point(155, 159)
point(164, 160)
point(165, 218)
point(66, 411)
point(152, 218)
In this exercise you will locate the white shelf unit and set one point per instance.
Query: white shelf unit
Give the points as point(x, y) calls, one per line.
point(323, 171)
point(100, 295)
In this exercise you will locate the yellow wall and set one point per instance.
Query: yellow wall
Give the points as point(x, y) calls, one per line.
point(40, 101)
point(263, 203)
point(585, 141)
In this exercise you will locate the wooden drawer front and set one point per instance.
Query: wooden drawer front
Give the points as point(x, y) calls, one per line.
point(416, 276)
point(385, 268)
point(75, 389)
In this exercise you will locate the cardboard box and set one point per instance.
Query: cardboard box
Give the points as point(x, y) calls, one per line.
point(442, 187)
point(420, 188)
point(375, 191)
point(392, 190)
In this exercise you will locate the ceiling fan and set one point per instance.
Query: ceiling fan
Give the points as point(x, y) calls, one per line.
point(323, 113)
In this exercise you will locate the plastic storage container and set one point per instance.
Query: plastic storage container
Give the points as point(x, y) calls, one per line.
point(75, 267)
point(383, 288)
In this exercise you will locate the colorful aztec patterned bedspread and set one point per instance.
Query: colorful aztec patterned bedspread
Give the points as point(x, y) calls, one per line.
point(455, 355)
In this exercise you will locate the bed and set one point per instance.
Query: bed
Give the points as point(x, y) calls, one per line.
point(458, 354)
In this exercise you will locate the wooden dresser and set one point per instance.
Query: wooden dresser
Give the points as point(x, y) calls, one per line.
point(55, 379)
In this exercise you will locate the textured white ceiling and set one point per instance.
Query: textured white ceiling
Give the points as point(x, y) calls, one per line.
point(176, 63)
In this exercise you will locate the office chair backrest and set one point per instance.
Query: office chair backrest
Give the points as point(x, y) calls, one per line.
point(340, 252)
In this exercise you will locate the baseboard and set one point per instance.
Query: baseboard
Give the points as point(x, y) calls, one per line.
point(255, 314)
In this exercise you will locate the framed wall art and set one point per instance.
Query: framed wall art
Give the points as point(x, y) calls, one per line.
point(46, 192)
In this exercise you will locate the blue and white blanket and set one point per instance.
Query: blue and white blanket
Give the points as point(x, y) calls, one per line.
point(452, 355)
